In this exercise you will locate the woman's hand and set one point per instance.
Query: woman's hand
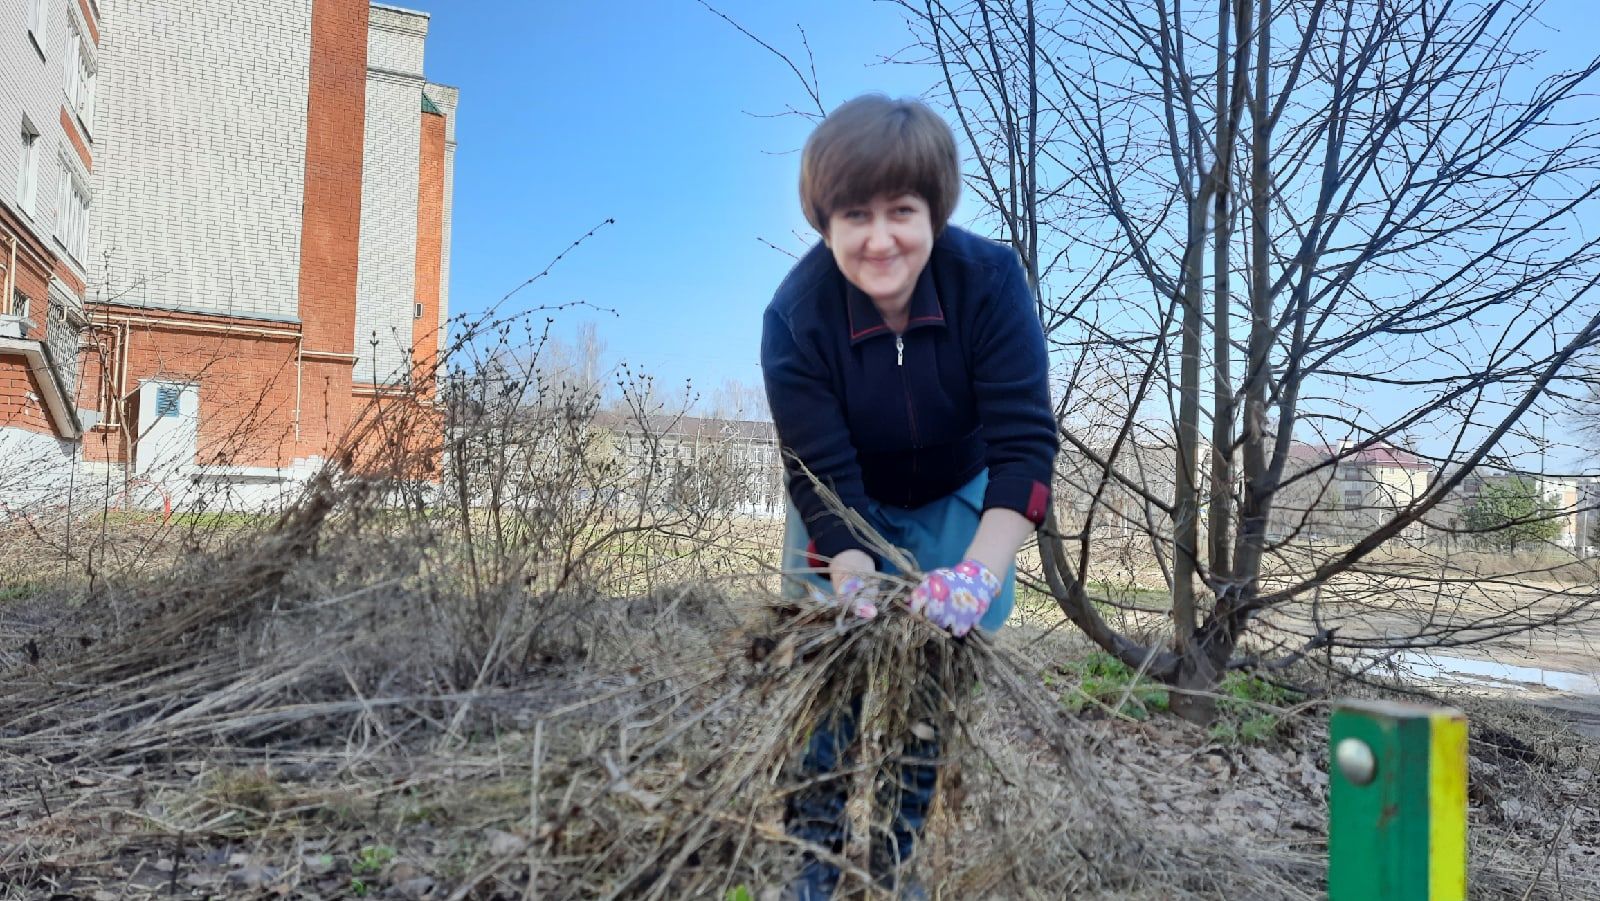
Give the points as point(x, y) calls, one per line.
point(851, 563)
point(957, 597)
point(851, 573)
point(861, 598)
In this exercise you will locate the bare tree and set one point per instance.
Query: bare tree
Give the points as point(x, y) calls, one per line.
point(737, 399)
point(1290, 224)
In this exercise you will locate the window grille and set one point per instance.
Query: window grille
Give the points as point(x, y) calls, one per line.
point(62, 336)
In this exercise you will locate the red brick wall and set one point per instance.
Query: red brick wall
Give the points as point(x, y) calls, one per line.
point(430, 249)
point(247, 379)
point(65, 273)
point(21, 396)
point(105, 445)
point(71, 128)
point(94, 24)
point(34, 264)
point(329, 238)
point(100, 367)
point(96, 381)
point(258, 381)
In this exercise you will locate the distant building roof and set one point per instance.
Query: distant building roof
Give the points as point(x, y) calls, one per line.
point(690, 426)
point(1378, 455)
point(1390, 456)
point(1309, 453)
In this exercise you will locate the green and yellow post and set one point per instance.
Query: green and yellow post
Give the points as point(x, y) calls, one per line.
point(1397, 803)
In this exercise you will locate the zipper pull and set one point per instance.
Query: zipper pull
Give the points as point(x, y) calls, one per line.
point(899, 350)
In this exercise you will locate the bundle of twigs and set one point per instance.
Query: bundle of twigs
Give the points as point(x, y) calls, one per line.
point(691, 804)
point(668, 817)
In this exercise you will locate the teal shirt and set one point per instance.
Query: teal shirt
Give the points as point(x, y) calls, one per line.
point(936, 534)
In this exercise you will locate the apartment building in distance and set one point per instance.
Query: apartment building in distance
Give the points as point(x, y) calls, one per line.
point(1573, 504)
point(265, 249)
point(47, 90)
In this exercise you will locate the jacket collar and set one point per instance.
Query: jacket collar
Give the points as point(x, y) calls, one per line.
point(866, 322)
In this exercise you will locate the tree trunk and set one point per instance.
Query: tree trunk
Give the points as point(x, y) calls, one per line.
point(1186, 500)
point(1219, 519)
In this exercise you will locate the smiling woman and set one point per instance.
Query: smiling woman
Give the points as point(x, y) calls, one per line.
point(906, 370)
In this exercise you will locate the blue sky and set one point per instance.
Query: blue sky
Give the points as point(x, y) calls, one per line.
point(572, 113)
point(637, 110)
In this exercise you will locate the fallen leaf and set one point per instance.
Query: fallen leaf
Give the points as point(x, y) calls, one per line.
point(252, 876)
point(505, 844)
point(783, 656)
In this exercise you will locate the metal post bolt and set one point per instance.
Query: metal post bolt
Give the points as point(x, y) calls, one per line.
point(1356, 761)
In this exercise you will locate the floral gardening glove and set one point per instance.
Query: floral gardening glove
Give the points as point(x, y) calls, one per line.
point(955, 598)
point(854, 595)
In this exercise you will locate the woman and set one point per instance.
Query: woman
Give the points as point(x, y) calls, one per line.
point(906, 369)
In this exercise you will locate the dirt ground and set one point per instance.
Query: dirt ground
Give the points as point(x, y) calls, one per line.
point(294, 753)
point(364, 814)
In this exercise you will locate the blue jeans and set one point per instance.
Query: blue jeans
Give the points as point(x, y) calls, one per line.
point(816, 811)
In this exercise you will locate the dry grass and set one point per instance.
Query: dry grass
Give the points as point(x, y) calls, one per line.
point(241, 766)
point(510, 685)
point(276, 713)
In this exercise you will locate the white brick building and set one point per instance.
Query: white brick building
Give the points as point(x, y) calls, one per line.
point(269, 187)
point(386, 284)
point(202, 170)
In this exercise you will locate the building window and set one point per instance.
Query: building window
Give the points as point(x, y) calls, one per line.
point(167, 401)
point(72, 214)
point(36, 21)
point(28, 174)
point(418, 314)
point(80, 76)
point(19, 304)
point(1352, 499)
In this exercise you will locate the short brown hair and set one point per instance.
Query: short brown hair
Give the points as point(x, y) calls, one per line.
point(873, 146)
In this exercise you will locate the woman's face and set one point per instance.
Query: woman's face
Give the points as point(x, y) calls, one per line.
point(881, 247)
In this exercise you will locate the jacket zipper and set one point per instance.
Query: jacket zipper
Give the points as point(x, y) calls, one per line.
point(911, 412)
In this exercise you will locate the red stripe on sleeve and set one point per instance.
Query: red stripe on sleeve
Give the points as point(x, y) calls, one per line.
point(1038, 501)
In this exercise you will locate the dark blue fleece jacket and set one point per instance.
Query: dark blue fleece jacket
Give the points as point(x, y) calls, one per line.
point(907, 419)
